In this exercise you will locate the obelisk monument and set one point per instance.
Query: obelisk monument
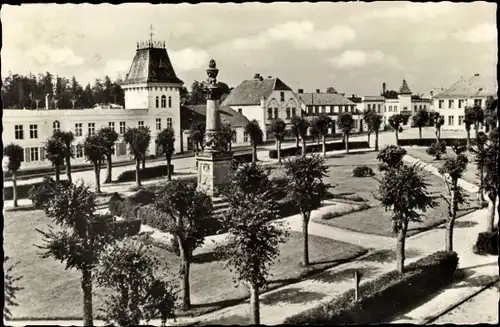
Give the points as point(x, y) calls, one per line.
point(214, 163)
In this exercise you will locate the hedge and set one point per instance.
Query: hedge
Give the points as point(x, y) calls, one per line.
point(428, 142)
point(487, 243)
point(334, 146)
point(362, 171)
point(239, 158)
point(119, 229)
point(387, 295)
point(146, 173)
point(22, 191)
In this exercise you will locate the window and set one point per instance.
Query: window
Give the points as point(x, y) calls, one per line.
point(323, 109)
point(79, 151)
point(460, 120)
point(309, 110)
point(33, 131)
point(141, 123)
point(440, 104)
point(451, 120)
point(282, 96)
point(163, 101)
point(245, 137)
point(316, 109)
point(169, 122)
point(122, 127)
point(294, 113)
point(91, 128)
point(346, 109)
point(158, 124)
point(390, 108)
point(240, 111)
point(233, 138)
point(111, 125)
point(369, 106)
point(34, 154)
point(275, 113)
point(420, 107)
point(287, 113)
point(477, 102)
point(157, 102)
point(269, 113)
point(450, 104)
point(425, 107)
point(352, 109)
point(78, 129)
point(460, 104)
point(19, 133)
point(379, 107)
point(56, 126)
point(170, 102)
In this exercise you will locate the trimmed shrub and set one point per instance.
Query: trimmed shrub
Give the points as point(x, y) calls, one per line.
point(147, 173)
point(311, 148)
point(119, 229)
point(41, 192)
point(421, 279)
point(487, 243)
point(335, 214)
point(131, 204)
point(362, 171)
point(436, 149)
point(428, 142)
point(115, 204)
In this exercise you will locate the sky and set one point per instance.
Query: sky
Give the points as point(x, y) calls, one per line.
point(354, 47)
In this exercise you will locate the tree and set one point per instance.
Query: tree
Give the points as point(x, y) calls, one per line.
point(452, 170)
point(10, 288)
point(330, 90)
point(135, 279)
point(253, 243)
point(477, 116)
point(185, 212)
point(198, 92)
point(225, 134)
point(437, 149)
point(390, 94)
point(345, 123)
point(94, 151)
point(278, 128)
point(438, 121)
point(313, 130)
point(66, 140)
point(421, 119)
point(54, 152)
point(76, 242)
point(374, 125)
point(108, 137)
point(166, 141)
point(368, 115)
point(490, 114)
point(396, 121)
point(249, 178)
point(480, 153)
point(197, 134)
point(403, 191)
point(255, 133)
point(299, 129)
point(306, 189)
point(138, 140)
point(321, 123)
point(468, 122)
point(15, 155)
point(390, 157)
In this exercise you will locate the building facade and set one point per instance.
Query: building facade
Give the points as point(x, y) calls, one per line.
point(465, 93)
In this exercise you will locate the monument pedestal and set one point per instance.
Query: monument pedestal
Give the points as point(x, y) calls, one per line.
point(213, 170)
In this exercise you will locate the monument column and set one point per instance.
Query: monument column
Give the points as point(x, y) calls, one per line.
point(214, 163)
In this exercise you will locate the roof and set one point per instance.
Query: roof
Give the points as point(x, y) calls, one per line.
point(372, 98)
point(151, 65)
point(404, 89)
point(356, 99)
point(470, 87)
point(249, 92)
point(324, 99)
point(196, 113)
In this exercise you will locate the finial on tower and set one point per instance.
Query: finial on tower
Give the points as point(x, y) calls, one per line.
point(212, 72)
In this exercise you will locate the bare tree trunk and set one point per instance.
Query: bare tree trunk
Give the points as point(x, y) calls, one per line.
point(278, 144)
point(254, 153)
point(109, 169)
point(14, 188)
point(347, 143)
point(303, 147)
point(451, 221)
point(305, 232)
point(58, 173)
point(137, 169)
point(491, 212)
point(254, 305)
point(86, 283)
point(68, 169)
point(297, 142)
point(324, 144)
point(169, 172)
point(376, 140)
point(468, 139)
point(144, 161)
point(97, 173)
point(397, 137)
point(186, 294)
point(400, 249)
point(369, 139)
point(420, 132)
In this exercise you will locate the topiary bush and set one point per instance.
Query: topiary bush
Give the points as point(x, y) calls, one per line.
point(487, 243)
point(131, 204)
point(436, 149)
point(421, 279)
point(362, 171)
point(311, 148)
point(40, 193)
point(115, 204)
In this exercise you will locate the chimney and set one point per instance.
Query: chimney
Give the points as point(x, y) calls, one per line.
point(47, 101)
point(256, 76)
point(262, 102)
point(269, 77)
point(476, 74)
point(317, 90)
point(432, 93)
point(353, 96)
point(301, 90)
point(261, 78)
point(383, 88)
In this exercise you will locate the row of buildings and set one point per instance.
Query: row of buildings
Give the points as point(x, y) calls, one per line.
point(152, 98)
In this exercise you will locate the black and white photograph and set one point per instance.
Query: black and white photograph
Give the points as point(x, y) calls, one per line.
point(214, 163)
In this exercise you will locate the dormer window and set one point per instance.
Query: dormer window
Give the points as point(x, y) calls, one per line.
point(163, 101)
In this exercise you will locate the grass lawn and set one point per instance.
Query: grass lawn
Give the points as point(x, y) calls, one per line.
point(419, 152)
point(376, 220)
point(50, 291)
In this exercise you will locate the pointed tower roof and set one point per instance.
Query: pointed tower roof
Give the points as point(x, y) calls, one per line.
point(404, 88)
point(151, 64)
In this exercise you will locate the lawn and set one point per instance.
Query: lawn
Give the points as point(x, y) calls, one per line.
point(50, 291)
point(376, 220)
point(419, 152)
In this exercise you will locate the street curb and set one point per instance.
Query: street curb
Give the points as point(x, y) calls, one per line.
point(453, 306)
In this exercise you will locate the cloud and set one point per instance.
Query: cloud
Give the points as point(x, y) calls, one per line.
point(360, 58)
point(482, 33)
point(46, 55)
point(414, 12)
point(301, 34)
point(189, 59)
